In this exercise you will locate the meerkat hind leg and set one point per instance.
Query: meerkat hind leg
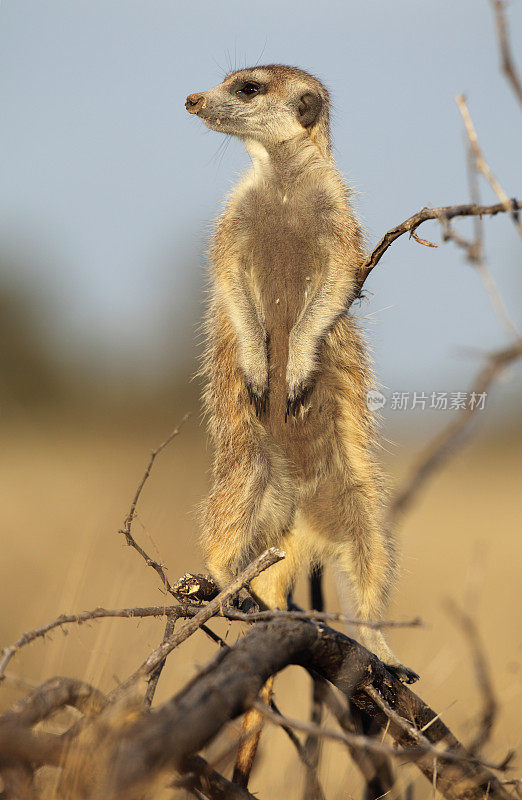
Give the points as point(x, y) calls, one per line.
point(365, 555)
point(248, 509)
point(366, 559)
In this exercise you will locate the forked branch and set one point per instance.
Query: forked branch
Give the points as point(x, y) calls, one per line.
point(411, 224)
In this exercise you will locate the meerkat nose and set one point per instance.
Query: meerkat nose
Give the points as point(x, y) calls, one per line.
point(195, 102)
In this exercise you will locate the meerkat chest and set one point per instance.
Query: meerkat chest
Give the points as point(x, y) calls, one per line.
point(286, 251)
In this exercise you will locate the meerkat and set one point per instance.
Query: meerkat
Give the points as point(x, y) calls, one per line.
point(286, 369)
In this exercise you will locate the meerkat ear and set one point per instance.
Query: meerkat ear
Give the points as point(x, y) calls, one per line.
point(309, 108)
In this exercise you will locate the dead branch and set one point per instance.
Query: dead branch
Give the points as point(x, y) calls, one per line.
point(52, 695)
point(453, 436)
point(505, 50)
point(262, 562)
point(199, 775)
point(152, 683)
point(425, 214)
point(376, 768)
point(230, 685)
point(483, 166)
point(318, 616)
point(489, 704)
point(185, 611)
point(86, 616)
point(312, 785)
point(127, 525)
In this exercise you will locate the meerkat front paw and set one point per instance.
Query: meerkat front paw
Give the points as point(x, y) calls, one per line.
point(297, 397)
point(258, 395)
point(300, 369)
point(255, 373)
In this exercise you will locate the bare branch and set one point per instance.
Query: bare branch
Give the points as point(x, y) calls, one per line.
point(473, 250)
point(155, 674)
point(261, 563)
point(319, 616)
point(482, 165)
point(482, 671)
point(377, 768)
point(66, 619)
point(425, 214)
point(313, 787)
point(230, 685)
point(453, 436)
point(127, 525)
point(505, 50)
point(201, 776)
point(52, 695)
point(351, 739)
point(185, 611)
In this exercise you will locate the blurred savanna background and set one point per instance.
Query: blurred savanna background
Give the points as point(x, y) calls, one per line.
point(107, 194)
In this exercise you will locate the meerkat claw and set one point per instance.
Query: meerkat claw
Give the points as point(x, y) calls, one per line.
point(297, 399)
point(258, 399)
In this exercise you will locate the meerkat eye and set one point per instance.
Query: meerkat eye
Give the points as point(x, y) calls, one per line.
point(248, 89)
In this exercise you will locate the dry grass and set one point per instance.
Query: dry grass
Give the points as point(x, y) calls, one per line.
point(66, 489)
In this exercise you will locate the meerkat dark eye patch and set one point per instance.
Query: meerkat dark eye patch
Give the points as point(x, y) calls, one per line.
point(247, 89)
point(309, 108)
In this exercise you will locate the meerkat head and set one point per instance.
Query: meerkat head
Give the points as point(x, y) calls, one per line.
point(269, 105)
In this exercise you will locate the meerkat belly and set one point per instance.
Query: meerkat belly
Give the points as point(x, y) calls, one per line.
point(282, 276)
point(286, 269)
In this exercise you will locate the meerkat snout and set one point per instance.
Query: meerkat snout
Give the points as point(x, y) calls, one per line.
point(195, 102)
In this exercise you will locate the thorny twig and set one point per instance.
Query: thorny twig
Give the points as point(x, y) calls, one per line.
point(200, 776)
point(155, 674)
point(483, 673)
point(67, 619)
point(369, 743)
point(425, 214)
point(505, 50)
point(127, 525)
point(510, 206)
point(186, 611)
point(261, 563)
point(455, 433)
point(312, 781)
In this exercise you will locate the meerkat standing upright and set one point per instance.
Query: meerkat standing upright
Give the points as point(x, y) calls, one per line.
point(287, 373)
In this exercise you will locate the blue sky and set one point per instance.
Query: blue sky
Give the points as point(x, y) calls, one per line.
point(109, 187)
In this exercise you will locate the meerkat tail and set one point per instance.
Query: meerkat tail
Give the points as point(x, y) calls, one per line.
point(251, 731)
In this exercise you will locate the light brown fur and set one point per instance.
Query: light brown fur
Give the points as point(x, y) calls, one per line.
point(287, 373)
